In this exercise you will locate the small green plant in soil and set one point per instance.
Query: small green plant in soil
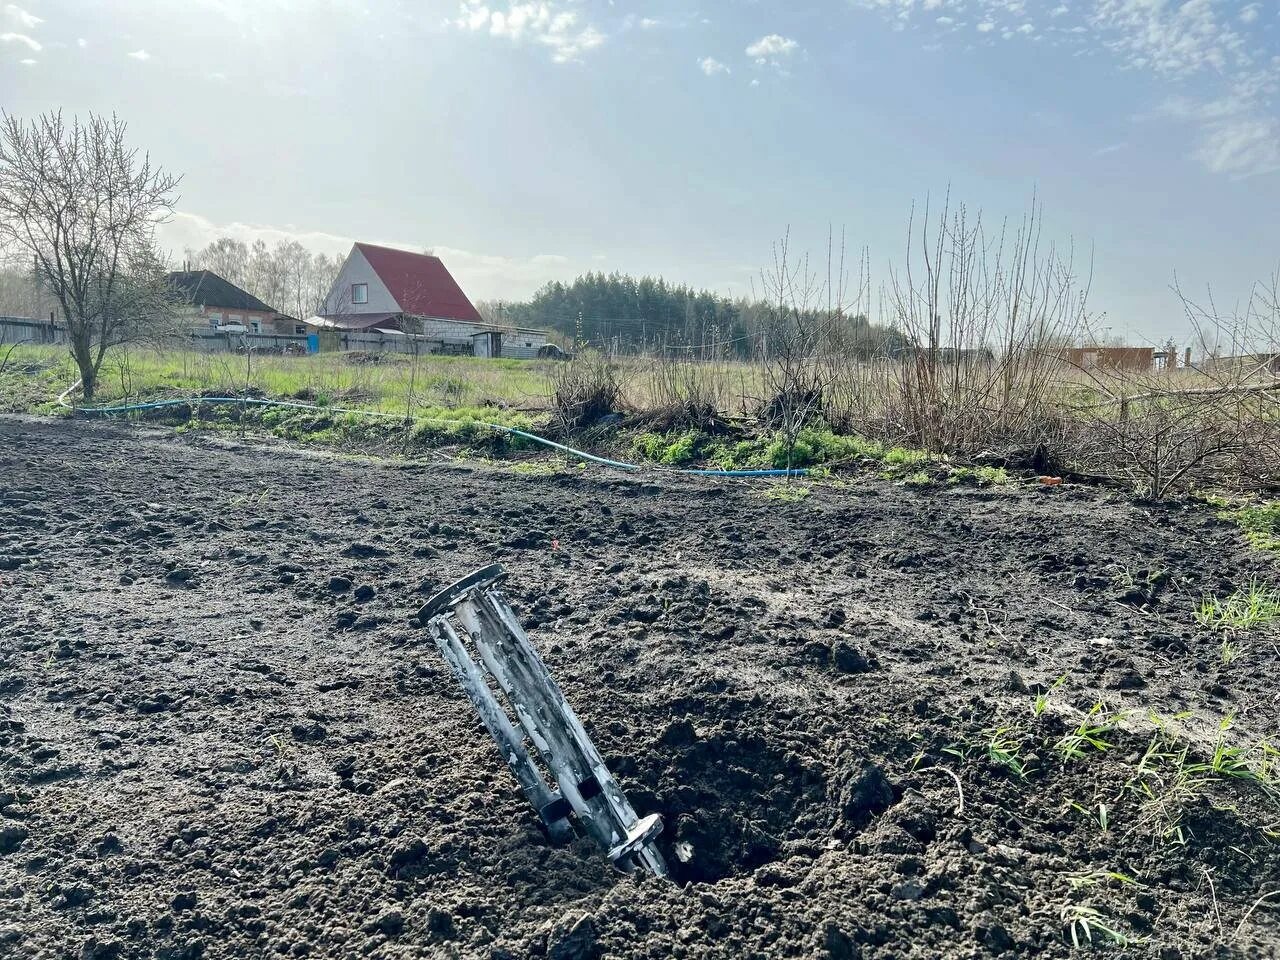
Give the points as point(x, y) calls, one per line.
point(1084, 925)
point(1097, 878)
point(1101, 819)
point(1004, 751)
point(1041, 701)
point(1254, 606)
point(1088, 736)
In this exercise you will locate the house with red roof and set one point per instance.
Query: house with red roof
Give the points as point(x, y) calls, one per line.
point(390, 292)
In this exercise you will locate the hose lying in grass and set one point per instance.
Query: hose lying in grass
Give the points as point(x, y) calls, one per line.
point(511, 431)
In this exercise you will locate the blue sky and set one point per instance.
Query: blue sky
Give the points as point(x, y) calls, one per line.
point(530, 141)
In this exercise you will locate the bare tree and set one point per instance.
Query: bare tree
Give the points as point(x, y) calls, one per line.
point(83, 206)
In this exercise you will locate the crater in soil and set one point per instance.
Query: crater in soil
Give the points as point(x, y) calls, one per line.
point(731, 801)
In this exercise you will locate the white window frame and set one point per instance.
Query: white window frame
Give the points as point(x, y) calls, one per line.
point(363, 288)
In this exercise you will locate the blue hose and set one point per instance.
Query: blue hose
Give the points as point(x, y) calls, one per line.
point(512, 431)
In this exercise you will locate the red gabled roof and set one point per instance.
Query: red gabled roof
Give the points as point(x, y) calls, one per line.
point(420, 283)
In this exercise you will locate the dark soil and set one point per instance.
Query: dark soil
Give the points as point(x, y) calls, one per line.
point(223, 732)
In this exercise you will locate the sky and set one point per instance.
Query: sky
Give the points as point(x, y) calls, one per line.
point(534, 140)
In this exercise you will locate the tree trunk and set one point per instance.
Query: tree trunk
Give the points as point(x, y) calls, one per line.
point(82, 353)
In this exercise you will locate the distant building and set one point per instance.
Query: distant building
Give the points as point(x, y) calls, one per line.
point(216, 304)
point(385, 291)
point(1131, 359)
point(1263, 366)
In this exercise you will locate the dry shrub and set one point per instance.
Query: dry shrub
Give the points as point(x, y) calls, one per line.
point(1216, 424)
point(683, 393)
point(584, 391)
point(988, 318)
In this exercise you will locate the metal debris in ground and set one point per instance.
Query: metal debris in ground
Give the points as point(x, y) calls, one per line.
point(472, 614)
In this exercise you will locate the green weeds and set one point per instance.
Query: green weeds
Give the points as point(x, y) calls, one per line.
point(1246, 609)
point(1084, 925)
point(673, 450)
point(1004, 751)
point(1041, 701)
point(787, 492)
point(1088, 736)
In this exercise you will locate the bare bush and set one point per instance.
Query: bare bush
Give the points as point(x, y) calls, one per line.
point(987, 318)
point(683, 393)
point(584, 390)
point(1214, 424)
point(798, 326)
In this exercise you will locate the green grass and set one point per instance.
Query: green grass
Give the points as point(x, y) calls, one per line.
point(978, 476)
point(1260, 523)
point(904, 457)
point(1247, 609)
point(1089, 735)
point(787, 492)
point(919, 480)
point(1084, 926)
point(813, 447)
point(1004, 751)
point(332, 379)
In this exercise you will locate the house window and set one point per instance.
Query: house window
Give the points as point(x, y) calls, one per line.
point(359, 293)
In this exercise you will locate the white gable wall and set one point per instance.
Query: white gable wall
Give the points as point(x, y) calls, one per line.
point(357, 270)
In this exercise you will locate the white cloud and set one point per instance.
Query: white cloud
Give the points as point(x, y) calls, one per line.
point(28, 62)
point(20, 38)
point(546, 22)
point(711, 66)
point(16, 15)
point(1236, 138)
point(82, 43)
point(772, 49)
point(482, 276)
point(1226, 72)
point(140, 55)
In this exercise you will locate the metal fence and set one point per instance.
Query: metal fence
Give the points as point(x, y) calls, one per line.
point(29, 330)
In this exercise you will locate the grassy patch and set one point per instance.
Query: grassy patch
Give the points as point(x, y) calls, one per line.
point(374, 382)
point(903, 457)
point(1254, 606)
point(978, 476)
point(787, 492)
point(918, 480)
point(1260, 523)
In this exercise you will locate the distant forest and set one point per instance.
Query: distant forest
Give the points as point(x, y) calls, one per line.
point(616, 312)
